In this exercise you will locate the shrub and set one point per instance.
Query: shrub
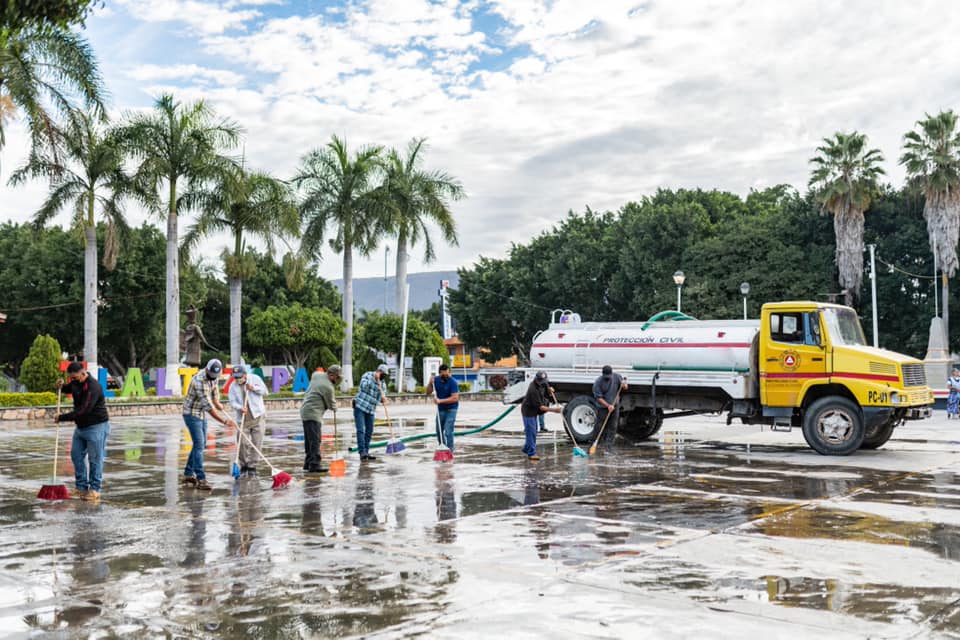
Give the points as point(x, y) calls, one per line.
point(28, 399)
point(498, 382)
point(463, 387)
point(41, 367)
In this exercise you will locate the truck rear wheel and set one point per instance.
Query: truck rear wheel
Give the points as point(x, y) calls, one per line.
point(878, 436)
point(639, 424)
point(581, 414)
point(833, 426)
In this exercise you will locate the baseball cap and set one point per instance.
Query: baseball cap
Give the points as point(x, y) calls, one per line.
point(607, 369)
point(214, 366)
point(541, 376)
point(239, 371)
point(384, 369)
point(333, 370)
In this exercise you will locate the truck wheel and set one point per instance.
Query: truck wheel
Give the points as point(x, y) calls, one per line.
point(833, 426)
point(639, 424)
point(878, 436)
point(581, 414)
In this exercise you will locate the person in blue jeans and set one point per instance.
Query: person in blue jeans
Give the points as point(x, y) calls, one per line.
point(203, 397)
point(369, 395)
point(447, 399)
point(89, 447)
point(534, 405)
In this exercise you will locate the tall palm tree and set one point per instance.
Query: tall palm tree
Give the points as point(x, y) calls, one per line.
point(340, 193)
point(931, 156)
point(243, 203)
point(87, 177)
point(845, 178)
point(414, 198)
point(177, 145)
point(42, 72)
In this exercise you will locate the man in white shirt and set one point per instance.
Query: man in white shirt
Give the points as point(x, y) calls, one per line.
point(246, 396)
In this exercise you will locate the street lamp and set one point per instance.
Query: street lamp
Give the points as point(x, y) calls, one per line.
point(745, 291)
point(678, 278)
point(386, 256)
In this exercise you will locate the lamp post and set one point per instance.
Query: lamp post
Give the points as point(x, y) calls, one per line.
point(678, 278)
point(386, 257)
point(745, 291)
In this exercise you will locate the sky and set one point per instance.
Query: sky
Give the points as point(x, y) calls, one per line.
point(538, 107)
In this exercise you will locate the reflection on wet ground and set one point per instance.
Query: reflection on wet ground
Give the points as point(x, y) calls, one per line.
point(685, 536)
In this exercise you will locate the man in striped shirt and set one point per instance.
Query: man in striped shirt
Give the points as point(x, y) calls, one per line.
point(203, 397)
point(369, 394)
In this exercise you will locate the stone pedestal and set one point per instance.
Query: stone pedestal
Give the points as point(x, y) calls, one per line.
point(937, 363)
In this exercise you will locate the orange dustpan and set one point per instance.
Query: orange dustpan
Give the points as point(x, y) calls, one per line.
point(338, 466)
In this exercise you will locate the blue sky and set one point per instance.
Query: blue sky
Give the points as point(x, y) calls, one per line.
point(538, 107)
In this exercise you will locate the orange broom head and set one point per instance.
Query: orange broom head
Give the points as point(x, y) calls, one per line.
point(54, 492)
point(338, 468)
point(281, 480)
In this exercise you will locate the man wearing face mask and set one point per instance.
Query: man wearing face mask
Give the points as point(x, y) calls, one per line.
point(606, 390)
point(203, 397)
point(535, 403)
point(447, 401)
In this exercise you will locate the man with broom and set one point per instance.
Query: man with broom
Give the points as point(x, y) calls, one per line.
point(246, 397)
point(606, 391)
point(369, 395)
point(447, 400)
point(93, 426)
point(203, 397)
point(534, 404)
point(318, 399)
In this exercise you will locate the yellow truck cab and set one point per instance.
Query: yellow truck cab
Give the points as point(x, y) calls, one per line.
point(817, 372)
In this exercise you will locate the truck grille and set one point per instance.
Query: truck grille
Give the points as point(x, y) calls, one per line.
point(887, 368)
point(914, 375)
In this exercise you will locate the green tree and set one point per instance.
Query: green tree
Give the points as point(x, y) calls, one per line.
point(931, 156)
point(295, 332)
point(90, 179)
point(243, 204)
point(41, 367)
point(384, 332)
point(339, 195)
point(42, 72)
point(16, 15)
point(176, 145)
point(845, 178)
point(415, 198)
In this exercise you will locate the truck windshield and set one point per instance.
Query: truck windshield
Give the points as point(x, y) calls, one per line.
point(844, 327)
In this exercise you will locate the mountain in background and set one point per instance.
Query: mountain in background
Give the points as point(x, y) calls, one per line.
point(368, 293)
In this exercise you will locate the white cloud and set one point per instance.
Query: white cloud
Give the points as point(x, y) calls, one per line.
point(203, 17)
point(185, 73)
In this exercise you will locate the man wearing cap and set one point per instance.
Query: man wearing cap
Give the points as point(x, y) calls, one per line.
point(369, 394)
point(246, 397)
point(606, 391)
point(89, 447)
point(203, 397)
point(534, 404)
point(318, 399)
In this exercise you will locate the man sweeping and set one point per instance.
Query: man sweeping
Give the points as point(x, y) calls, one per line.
point(369, 395)
point(203, 397)
point(89, 447)
point(318, 399)
point(447, 399)
point(246, 397)
point(534, 404)
point(606, 391)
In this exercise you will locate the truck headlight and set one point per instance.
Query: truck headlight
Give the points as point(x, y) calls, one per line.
point(894, 397)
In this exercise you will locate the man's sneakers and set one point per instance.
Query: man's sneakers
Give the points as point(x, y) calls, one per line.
point(189, 481)
point(317, 470)
point(533, 458)
point(203, 485)
point(91, 496)
point(78, 493)
point(367, 458)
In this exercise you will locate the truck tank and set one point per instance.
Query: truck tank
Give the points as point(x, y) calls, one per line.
point(669, 344)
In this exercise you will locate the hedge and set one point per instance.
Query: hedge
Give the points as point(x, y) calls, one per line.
point(42, 399)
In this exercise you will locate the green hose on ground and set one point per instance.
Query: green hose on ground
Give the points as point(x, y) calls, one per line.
point(421, 436)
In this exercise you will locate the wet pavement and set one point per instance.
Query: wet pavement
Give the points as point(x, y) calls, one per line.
point(709, 531)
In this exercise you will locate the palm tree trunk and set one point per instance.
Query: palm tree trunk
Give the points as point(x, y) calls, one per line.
point(401, 271)
point(173, 296)
point(236, 296)
point(90, 292)
point(946, 309)
point(347, 356)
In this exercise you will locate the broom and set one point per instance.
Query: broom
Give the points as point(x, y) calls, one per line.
point(235, 470)
point(593, 448)
point(393, 445)
point(55, 491)
point(443, 453)
point(338, 466)
point(577, 451)
point(280, 478)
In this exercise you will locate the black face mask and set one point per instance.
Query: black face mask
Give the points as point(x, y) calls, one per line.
point(608, 377)
point(212, 376)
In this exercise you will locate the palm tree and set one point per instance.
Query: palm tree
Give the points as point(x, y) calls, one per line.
point(242, 203)
point(415, 197)
point(845, 178)
point(931, 156)
point(41, 72)
point(90, 178)
point(340, 192)
point(177, 145)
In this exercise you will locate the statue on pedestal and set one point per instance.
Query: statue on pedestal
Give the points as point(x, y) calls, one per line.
point(192, 340)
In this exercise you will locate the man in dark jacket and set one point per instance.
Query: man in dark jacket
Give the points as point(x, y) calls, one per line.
point(89, 446)
point(535, 403)
point(606, 391)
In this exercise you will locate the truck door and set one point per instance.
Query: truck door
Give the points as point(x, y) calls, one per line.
point(793, 357)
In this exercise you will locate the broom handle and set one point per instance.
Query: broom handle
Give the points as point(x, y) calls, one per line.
point(385, 412)
point(243, 416)
point(259, 453)
point(56, 446)
point(609, 411)
point(564, 420)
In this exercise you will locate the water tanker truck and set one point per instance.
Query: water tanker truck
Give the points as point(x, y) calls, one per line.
point(802, 365)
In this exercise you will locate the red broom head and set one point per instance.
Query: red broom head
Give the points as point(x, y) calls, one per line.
point(281, 480)
point(443, 455)
point(54, 492)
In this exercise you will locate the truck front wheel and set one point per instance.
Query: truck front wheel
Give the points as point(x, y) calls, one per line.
point(833, 426)
point(877, 436)
point(581, 414)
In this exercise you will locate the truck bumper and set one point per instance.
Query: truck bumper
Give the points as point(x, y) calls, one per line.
point(918, 413)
